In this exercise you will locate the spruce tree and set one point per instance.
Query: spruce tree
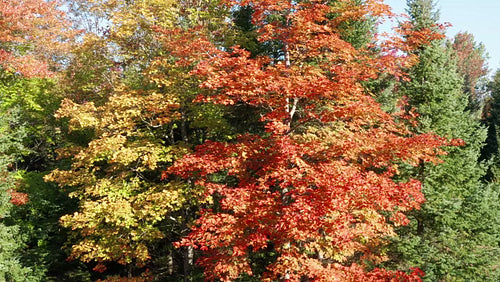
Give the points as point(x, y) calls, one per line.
point(454, 235)
point(491, 119)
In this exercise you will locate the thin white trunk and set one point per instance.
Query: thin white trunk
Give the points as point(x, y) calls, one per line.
point(290, 107)
point(170, 264)
point(188, 263)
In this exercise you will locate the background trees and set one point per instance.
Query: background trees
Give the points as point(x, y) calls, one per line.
point(471, 65)
point(33, 32)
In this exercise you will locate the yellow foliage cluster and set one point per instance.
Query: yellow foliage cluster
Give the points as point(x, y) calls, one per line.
point(128, 96)
point(117, 176)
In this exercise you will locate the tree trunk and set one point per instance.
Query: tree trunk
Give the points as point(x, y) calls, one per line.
point(188, 263)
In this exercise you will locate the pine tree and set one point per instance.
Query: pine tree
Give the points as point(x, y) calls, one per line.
point(360, 32)
point(453, 236)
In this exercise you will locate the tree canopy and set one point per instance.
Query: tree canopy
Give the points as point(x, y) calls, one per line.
point(226, 140)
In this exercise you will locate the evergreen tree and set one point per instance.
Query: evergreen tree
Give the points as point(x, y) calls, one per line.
point(11, 241)
point(423, 13)
point(454, 235)
point(360, 32)
point(491, 119)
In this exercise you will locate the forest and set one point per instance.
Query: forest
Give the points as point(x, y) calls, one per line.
point(245, 140)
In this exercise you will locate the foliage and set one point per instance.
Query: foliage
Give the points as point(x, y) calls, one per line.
point(137, 126)
point(29, 136)
point(11, 241)
point(471, 64)
point(307, 194)
point(113, 177)
point(33, 40)
point(243, 134)
point(32, 33)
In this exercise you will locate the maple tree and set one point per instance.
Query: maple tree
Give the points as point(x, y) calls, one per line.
point(310, 193)
point(471, 64)
point(127, 204)
point(32, 33)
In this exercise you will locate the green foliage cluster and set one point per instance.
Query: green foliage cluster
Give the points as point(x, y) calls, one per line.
point(29, 134)
point(11, 241)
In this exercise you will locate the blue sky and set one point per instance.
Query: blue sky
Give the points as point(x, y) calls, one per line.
point(479, 17)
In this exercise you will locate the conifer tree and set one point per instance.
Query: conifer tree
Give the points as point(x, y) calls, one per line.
point(360, 32)
point(453, 235)
point(491, 119)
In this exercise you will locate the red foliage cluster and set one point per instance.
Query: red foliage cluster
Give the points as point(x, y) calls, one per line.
point(39, 27)
point(18, 198)
point(312, 189)
point(471, 61)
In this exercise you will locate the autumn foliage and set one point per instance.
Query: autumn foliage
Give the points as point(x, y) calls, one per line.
point(306, 183)
point(243, 140)
point(115, 195)
point(18, 198)
point(316, 193)
point(471, 63)
point(31, 32)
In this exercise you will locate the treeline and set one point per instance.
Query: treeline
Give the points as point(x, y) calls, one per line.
point(156, 140)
